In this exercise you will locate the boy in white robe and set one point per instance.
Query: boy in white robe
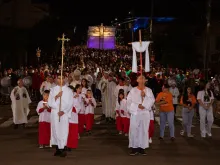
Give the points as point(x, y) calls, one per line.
point(60, 116)
point(20, 104)
point(139, 103)
point(44, 121)
point(90, 105)
point(72, 141)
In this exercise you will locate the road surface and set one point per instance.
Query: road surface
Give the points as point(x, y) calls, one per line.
point(105, 146)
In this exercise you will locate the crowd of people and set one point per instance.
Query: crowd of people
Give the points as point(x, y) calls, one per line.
point(128, 99)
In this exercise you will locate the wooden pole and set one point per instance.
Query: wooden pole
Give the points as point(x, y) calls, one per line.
point(63, 39)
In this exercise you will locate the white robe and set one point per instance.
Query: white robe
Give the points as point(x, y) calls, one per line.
point(140, 119)
point(102, 86)
point(20, 105)
point(89, 109)
point(111, 102)
point(124, 87)
point(74, 115)
point(46, 86)
point(44, 116)
point(60, 129)
point(75, 82)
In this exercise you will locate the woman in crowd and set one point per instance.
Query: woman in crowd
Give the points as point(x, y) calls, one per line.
point(188, 101)
point(205, 98)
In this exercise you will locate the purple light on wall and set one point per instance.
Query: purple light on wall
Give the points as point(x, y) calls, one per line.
point(101, 43)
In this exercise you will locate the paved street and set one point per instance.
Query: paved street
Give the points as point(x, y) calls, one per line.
point(104, 146)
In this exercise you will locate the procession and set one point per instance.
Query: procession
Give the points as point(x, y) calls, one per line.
point(143, 87)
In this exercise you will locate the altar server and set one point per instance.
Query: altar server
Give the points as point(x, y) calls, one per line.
point(44, 113)
point(151, 126)
point(90, 105)
point(72, 141)
point(60, 116)
point(139, 102)
point(20, 104)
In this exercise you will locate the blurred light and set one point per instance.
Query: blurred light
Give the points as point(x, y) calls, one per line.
point(129, 12)
point(119, 24)
point(116, 19)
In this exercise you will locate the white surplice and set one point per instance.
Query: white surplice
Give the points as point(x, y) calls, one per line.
point(140, 119)
point(111, 102)
point(89, 108)
point(60, 129)
point(74, 115)
point(20, 105)
point(44, 116)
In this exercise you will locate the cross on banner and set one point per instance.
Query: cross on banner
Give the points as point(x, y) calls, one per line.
point(140, 47)
point(63, 40)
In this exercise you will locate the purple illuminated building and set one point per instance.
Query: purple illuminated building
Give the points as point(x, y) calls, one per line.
point(101, 37)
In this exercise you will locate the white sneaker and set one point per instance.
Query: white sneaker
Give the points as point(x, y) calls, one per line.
point(150, 140)
point(209, 134)
point(182, 132)
point(190, 136)
point(41, 146)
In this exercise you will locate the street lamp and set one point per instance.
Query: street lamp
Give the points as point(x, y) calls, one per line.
point(38, 53)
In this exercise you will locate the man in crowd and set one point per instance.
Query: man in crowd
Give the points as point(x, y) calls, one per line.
point(60, 94)
point(139, 103)
point(20, 104)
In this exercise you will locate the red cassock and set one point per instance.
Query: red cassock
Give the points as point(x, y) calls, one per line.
point(72, 141)
point(89, 118)
point(81, 124)
point(126, 124)
point(151, 129)
point(44, 131)
point(119, 122)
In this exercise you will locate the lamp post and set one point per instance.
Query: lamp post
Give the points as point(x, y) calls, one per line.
point(38, 53)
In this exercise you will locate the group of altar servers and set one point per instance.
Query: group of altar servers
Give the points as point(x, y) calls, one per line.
point(62, 113)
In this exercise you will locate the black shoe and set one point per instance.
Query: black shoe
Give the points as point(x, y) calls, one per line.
point(57, 153)
point(160, 138)
point(133, 152)
point(15, 126)
point(142, 152)
point(172, 139)
point(63, 154)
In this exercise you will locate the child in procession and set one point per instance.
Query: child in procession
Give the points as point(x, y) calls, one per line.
point(122, 115)
point(151, 126)
point(90, 105)
point(44, 113)
point(72, 141)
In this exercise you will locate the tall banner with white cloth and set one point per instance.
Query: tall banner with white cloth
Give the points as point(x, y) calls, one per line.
point(143, 47)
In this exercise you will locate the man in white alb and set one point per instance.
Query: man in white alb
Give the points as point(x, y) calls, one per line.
point(20, 104)
point(139, 103)
point(46, 85)
point(60, 116)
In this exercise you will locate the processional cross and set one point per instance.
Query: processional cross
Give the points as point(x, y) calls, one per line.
point(140, 47)
point(63, 40)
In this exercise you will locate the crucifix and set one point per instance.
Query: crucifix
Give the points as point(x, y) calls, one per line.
point(140, 46)
point(63, 40)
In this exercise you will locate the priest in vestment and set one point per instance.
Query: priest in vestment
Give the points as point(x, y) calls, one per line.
point(60, 119)
point(111, 102)
point(76, 75)
point(20, 104)
point(139, 102)
point(102, 86)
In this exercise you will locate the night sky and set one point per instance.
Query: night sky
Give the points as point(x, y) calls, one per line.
point(85, 13)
